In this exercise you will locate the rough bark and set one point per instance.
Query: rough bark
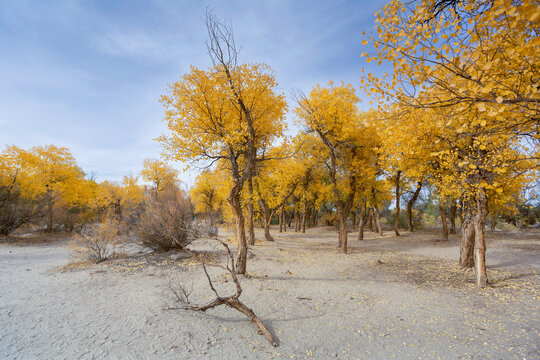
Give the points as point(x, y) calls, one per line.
point(466, 258)
point(479, 240)
point(370, 222)
point(410, 205)
point(236, 206)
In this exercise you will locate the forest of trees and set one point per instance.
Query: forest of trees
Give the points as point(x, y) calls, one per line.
point(453, 132)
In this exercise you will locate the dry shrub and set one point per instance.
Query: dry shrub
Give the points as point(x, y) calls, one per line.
point(167, 222)
point(96, 242)
point(14, 210)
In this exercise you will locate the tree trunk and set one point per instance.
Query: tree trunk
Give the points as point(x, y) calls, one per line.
point(466, 258)
point(461, 212)
point(493, 222)
point(291, 218)
point(354, 218)
point(396, 222)
point(371, 220)
point(453, 210)
point(236, 205)
point(442, 211)
point(343, 232)
point(410, 205)
point(315, 216)
point(362, 221)
point(251, 239)
point(304, 218)
point(479, 240)
point(297, 220)
point(378, 220)
point(267, 222)
point(281, 218)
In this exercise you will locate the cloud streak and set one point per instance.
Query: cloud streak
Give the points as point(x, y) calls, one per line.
point(88, 75)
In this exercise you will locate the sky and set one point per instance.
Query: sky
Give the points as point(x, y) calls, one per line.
point(88, 75)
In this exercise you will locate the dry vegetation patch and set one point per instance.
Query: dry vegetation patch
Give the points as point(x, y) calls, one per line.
point(161, 260)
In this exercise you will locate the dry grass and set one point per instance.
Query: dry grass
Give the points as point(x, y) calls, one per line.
point(161, 260)
point(34, 238)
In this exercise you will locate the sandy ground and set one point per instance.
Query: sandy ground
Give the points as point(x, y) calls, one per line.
point(388, 298)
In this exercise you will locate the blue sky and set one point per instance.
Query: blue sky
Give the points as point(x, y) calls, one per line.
point(88, 74)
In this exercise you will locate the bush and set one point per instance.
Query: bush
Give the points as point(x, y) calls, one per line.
point(96, 242)
point(331, 219)
point(167, 222)
point(14, 210)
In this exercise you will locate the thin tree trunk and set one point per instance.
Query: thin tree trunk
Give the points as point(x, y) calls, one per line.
point(362, 221)
point(281, 218)
point(493, 222)
point(343, 232)
point(378, 220)
point(396, 222)
point(304, 214)
point(315, 216)
point(466, 258)
point(297, 220)
point(371, 220)
point(267, 222)
point(410, 205)
point(354, 218)
point(480, 241)
point(442, 211)
point(291, 218)
point(453, 210)
point(251, 239)
point(461, 212)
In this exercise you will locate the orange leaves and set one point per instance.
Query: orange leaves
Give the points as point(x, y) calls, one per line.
point(488, 53)
point(206, 120)
point(159, 174)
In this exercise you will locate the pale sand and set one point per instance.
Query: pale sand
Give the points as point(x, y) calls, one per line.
point(319, 303)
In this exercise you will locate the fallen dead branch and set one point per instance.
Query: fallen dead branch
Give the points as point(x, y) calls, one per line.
point(182, 297)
